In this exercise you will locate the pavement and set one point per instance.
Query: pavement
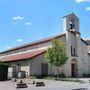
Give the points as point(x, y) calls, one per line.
point(49, 85)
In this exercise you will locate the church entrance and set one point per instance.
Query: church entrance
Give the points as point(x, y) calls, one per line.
point(74, 67)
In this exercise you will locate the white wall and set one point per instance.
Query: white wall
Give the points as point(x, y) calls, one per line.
point(84, 57)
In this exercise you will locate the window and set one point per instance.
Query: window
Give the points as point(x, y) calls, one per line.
point(44, 69)
point(71, 50)
point(74, 52)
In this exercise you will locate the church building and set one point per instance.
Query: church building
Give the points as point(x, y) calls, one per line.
point(30, 57)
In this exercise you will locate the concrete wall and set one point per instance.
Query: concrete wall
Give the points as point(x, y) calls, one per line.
point(89, 63)
point(35, 66)
point(24, 66)
point(84, 57)
point(69, 43)
point(88, 47)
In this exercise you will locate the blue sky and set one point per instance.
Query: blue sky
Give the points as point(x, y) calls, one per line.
point(24, 21)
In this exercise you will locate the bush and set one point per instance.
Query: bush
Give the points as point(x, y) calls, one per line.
point(86, 75)
point(3, 71)
point(61, 75)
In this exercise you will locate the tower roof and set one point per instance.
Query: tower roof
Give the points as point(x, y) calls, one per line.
point(71, 15)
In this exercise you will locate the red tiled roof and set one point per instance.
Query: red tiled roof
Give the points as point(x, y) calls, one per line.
point(33, 43)
point(22, 56)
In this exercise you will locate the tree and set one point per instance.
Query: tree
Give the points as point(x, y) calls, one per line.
point(56, 54)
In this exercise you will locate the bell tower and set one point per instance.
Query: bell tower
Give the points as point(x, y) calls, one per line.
point(71, 28)
point(71, 23)
point(73, 45)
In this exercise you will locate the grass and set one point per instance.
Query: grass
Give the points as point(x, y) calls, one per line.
point(41, 77)
point(71, 79)
point(48, 77)
point(59, 79)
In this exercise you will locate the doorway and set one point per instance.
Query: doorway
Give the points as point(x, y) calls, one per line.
point(74, 68)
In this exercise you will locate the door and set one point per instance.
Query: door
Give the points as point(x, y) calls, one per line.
point(73, 70)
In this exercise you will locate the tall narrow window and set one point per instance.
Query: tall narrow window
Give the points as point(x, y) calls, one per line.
point(74, 52)
point(44, 69)
point(71, 50)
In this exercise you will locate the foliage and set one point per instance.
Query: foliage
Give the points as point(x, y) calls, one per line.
point(56, 55)
point(3, 71)
point(60, 75)
point(70, 79)
point(86, 75)
point(49, 77)
point(1, 63)
point(61, 78)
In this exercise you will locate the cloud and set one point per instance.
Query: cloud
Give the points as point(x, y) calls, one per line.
point(18, 18)
point(8, 47)
point(87, 8)
point(79, 1)
point(19, 40)
point(28, 23)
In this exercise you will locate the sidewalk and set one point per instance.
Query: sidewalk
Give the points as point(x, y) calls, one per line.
point(49, 85)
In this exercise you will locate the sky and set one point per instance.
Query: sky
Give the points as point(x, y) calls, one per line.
point(25, 21)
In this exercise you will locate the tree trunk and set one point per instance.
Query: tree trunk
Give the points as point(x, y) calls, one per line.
point(51, 70)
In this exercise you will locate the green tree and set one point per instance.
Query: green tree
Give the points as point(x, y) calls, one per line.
point(56, 54)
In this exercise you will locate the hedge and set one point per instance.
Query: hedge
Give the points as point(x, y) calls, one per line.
point(3, 71)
